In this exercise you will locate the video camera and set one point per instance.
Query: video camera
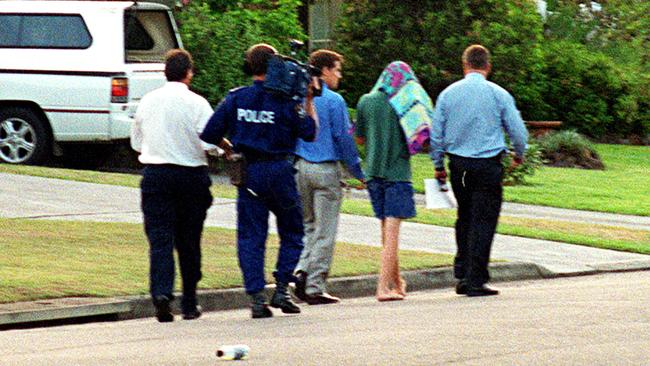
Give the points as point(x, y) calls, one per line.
point(290, 78)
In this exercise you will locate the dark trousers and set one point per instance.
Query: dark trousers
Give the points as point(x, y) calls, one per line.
point(175, 200)
point(477, 186)
point(270, 187)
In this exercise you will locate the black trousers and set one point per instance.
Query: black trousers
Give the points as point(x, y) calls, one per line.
point(477, 186)
point(175, 200)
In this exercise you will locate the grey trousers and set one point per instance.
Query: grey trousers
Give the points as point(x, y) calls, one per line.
point(320, 191)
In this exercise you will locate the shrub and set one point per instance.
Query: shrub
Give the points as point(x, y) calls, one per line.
point(217, 33)
point(431, 36)
point(591, 93)
point(569, 149)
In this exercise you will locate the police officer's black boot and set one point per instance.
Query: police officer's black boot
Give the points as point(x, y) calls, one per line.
point(259, 307)
point(282, 300)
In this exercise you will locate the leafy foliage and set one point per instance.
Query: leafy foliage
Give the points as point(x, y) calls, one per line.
point(218, 32)
point(591, 93)
point(619, 28)
point(590, 71)
point(612, 39)
point(431, 36)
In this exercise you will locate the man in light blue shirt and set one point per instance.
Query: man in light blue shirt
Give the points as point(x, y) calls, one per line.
point(319, 178)
point(469, 122)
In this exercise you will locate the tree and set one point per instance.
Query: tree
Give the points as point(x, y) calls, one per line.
point(218, 32)
point(431, 36)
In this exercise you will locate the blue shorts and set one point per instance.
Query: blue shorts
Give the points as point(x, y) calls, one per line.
point(391, 199)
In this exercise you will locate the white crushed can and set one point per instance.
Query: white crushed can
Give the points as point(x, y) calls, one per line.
point(233, 352)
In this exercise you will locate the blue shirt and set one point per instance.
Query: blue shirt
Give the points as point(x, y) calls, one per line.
point(259, 122)
point(333, 141)
point(470, 117)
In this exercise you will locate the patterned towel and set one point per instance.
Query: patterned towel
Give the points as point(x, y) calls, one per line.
point(410, 101)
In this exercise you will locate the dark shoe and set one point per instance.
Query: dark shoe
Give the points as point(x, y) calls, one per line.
point(259, 307)
point(282, 300)
point(163, 310)
point(261, 311)
point(481, 291)
point(461, 287)
point(301, 284)
point(321, 299)
point(192, 314)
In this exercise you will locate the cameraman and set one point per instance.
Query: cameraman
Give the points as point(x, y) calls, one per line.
point(264, 128)
point(319, 178)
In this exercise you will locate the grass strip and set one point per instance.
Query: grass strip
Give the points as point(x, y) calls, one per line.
point(598, 236)
point(50, 259)
point(621, 188)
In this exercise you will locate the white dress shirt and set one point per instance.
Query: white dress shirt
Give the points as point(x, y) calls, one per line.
point(167, 125)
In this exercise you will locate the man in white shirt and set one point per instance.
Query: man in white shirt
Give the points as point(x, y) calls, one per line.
point(175, 184)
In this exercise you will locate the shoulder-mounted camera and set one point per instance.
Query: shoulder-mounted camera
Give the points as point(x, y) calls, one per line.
point(288, 77)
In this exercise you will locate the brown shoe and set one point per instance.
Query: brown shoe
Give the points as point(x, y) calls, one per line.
point(321, 299)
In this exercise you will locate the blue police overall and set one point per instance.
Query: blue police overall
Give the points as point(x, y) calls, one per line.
point(265, 128)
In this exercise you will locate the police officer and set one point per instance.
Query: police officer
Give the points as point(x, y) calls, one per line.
point(264, 127)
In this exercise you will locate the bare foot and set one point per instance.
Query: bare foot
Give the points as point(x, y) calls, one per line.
point(402, 287)
point(390, 296)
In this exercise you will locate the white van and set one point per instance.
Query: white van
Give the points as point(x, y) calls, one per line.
point(74, 71)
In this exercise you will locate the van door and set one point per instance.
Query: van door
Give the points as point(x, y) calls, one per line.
point(149, 32)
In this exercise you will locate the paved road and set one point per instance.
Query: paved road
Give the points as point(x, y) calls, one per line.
point(592, 320)
point(34, 197)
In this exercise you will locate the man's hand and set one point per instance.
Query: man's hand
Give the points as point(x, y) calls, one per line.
point(363, 184)
point(440, 175)
point(309, 101)
point(516, 161)
point(226, 146)
point(314, 88)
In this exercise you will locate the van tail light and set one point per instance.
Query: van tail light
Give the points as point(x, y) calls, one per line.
point(119, 90)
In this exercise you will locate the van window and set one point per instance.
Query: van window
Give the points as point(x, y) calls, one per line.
point(148, 35)
point(43, 31)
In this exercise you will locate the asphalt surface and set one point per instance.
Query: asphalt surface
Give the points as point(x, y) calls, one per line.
point(593, 320)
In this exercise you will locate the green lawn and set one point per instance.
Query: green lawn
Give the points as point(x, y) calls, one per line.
point(50, 259)
point(623, 187)
point(606, 237)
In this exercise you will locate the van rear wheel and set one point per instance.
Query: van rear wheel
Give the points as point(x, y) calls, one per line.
point(23, 136)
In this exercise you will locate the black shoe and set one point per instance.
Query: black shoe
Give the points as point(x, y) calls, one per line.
point(301, 285)
point(321, 299)
point(193, 313)
point(282, 300)
point(261, 311)
point(481, 291)
point(461, 287)
point(163, 310)
point(259, 307)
